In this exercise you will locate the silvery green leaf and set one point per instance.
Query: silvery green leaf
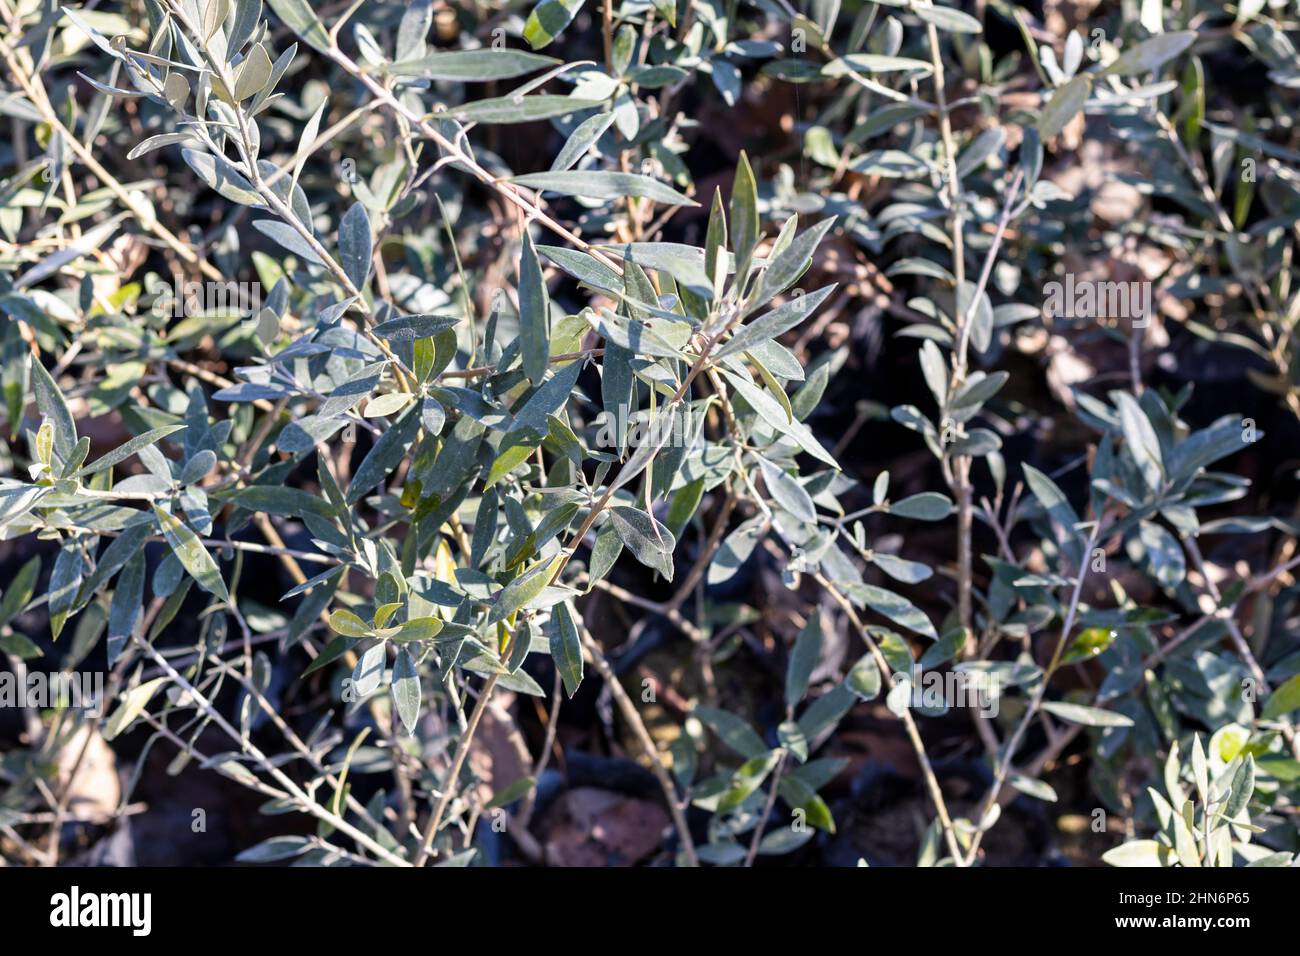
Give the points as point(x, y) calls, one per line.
point(923, 506)
point(1243, 786)
point(191, 553)
point(526, 109)
point(158, 141)
point(584, 268)
point(384, 455)
point(1038, 789)
point(684, 264)
point(747, 779)
point(900, 569)
point(733, 731)
point(355, 244)
point(411, 327)
point(987, 144)
point(406, 689)
point(604, 552)
point(131, 707)
point(65, 582)
point(126, 450)
point(1140, 439)
point(534, 314)
point(647, 539)
point(803, 659)
point(825, 712)
point(946, 18)
point(1066, 103)
point(548, 19)
point(413, 28)
point(1052, 499)
point(774, 323)
point(787, 492)
point(863, 678)
point(289, 238)
point(583, 137)
point(1088, 716)
point(890, 164)
point(253, 73)
point(1284, 699)
point(744, 219)
point(1151, 54)
point(275, 848)
point(127, 606)
point(299, 17)
point(979, 313)
point(369, 671)
point(934, 368)
point(659, 339)
point(19, 591)
point(893, 606)
point(774, 415)
point(566, 649)
point(473, 66)
point(603, 185)
point(523, 590)
point(735, 551)
point(220, 175)
point(1164, 554)
point(53, 406)
point(871, 63)
point(978, 389)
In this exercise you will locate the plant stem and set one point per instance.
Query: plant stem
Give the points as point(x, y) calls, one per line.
point(909, 723)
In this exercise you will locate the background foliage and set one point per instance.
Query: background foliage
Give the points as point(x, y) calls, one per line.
point(573, 433)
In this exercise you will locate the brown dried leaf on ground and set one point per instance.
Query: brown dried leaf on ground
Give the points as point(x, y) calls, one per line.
point(590, 827)
point(94, 792)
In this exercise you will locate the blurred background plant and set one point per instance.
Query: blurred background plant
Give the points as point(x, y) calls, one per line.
point(606, 494)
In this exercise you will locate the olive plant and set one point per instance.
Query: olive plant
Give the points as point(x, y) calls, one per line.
point(469, 388)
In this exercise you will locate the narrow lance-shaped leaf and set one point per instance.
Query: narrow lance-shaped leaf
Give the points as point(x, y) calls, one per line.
point(566, 648)
point(522, 591)
point(355, 244)
point(1066, 103)
point(132, 707)
point(299, 17)
point(51, 404)
point(647, 539)
point(65, 581)
point(1140, 438)
point(525, 109)
point(19, 591)
point(384, 456)
point(548, 19)
point(125, 451)
point(534, 309)
point(604, 185)
point(127, 605)
point(744, 217)
point(192, 555)
point(406, 689)
point(473, 66)
point(288, 237)
point(1150, 54)
point(803, 658)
